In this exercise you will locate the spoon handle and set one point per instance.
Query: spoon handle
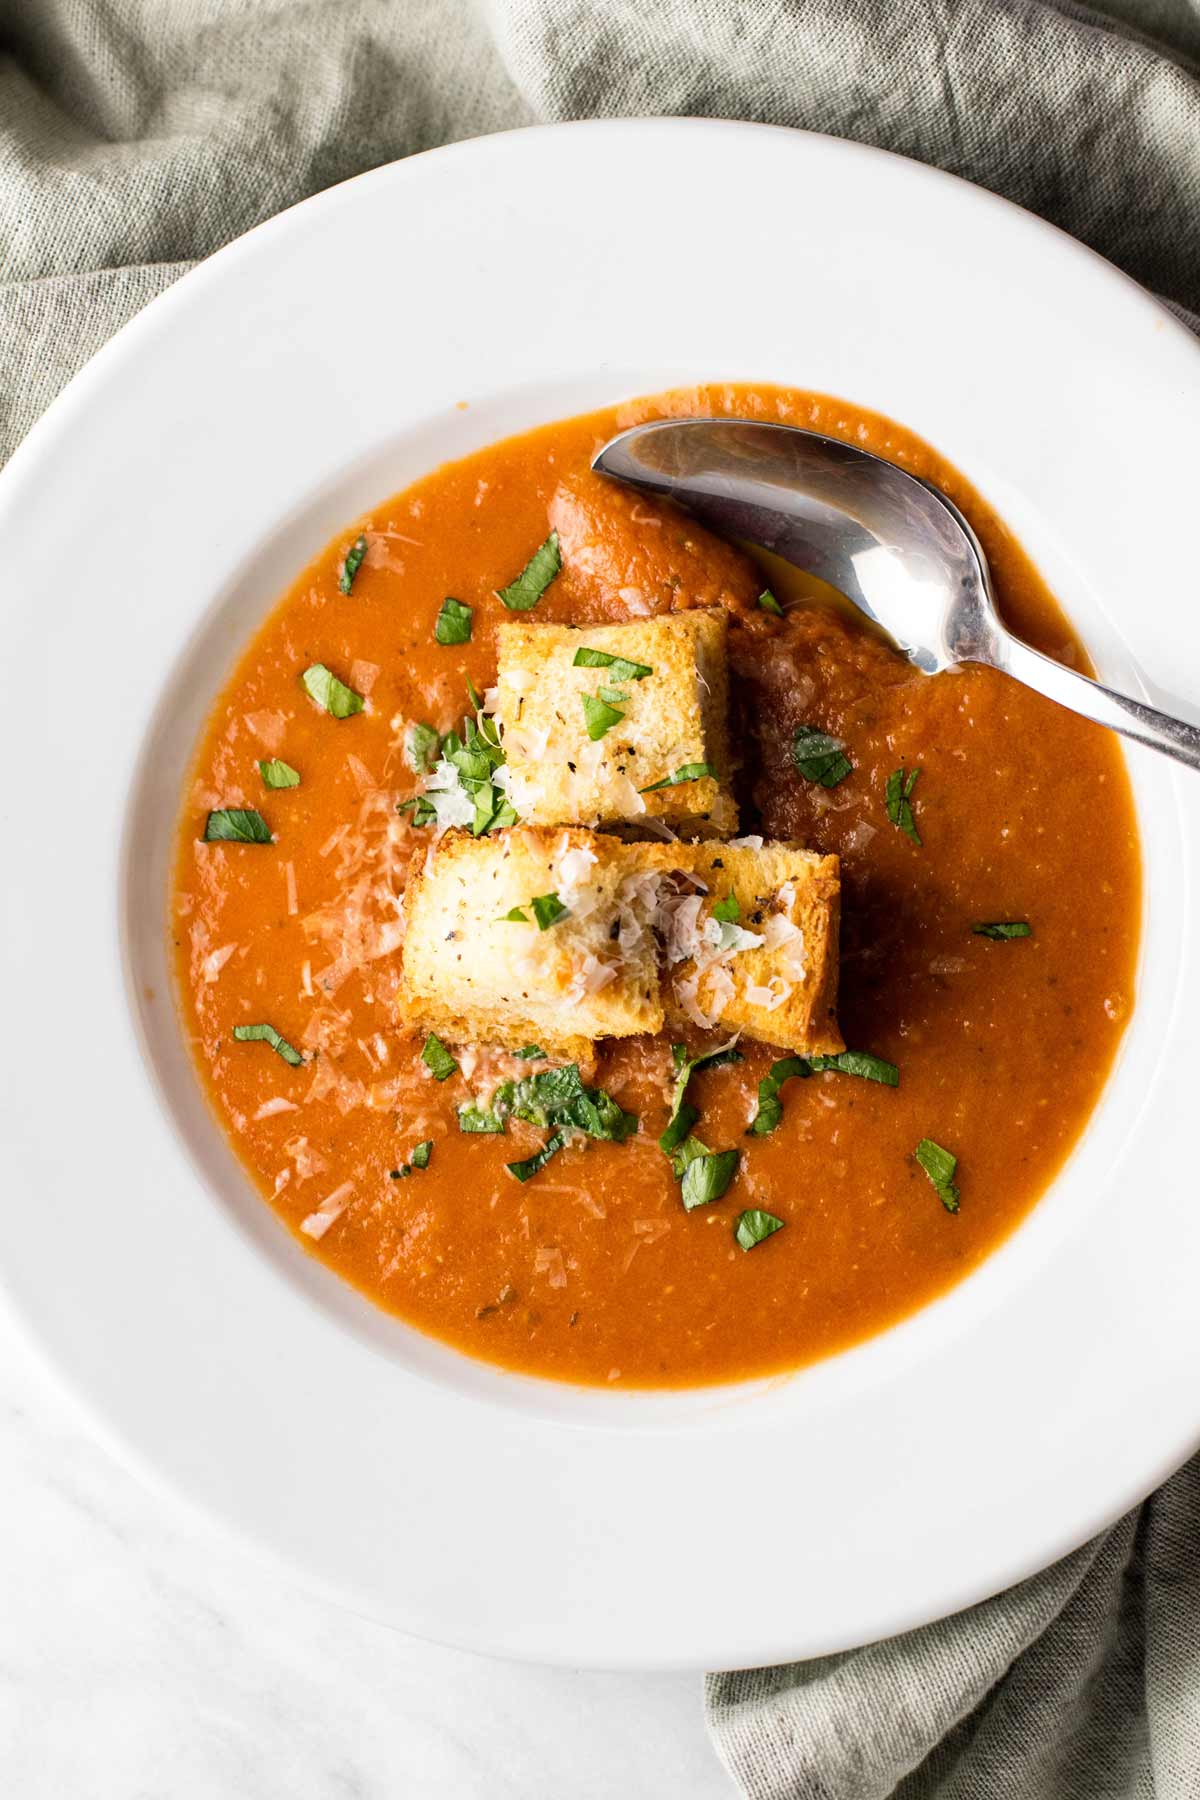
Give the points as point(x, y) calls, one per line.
point(1120, 712)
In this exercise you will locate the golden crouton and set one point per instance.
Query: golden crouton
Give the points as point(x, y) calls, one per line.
point(772, 971)
point(660, 726)
point(479, 967)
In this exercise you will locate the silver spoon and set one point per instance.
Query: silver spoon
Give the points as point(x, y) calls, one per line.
point(892, 544)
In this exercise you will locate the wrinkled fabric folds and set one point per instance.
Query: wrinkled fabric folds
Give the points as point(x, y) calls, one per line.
point(1083, 1683)
point(137, 136)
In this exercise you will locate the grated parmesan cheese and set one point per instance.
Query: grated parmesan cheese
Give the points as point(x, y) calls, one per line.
point(780, 934)
point(590, 977)
point(215, 961)
point(307, 1162)
point(776, 991)
point(449, 799)
point(858, 837)
point(650, 1230)
point(270, 1108)
point(363, 779)
point(635, 602)
point(330, 1210)
point(549, 1262)
point(268, 728)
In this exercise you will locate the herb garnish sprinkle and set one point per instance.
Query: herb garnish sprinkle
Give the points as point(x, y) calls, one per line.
point(820, 757)
point(236, 825)
point(898, 801)
point(267, 1034)
point(524, 593)
point(353, 563)
point(940, 1166)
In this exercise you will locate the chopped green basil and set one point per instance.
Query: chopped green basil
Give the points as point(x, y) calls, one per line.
point(332, 695)
point(556, 1097)
point(727, 911)
point(689, 772)
point(278, 774)
point(684, 1116)
point(707, 1176)
point(858, 1062)
point(236, 825)
point(478, 1118)
point(474, 759)
point(770, 1107)
point(514, 917)
point(620, 667)
point(473, 764)
point(422, 746)
point(939, 1165)
point(531, 1053)
point(453, 623)
point(437, 1058)
point(353, 563)
point(688, 1152)
point(524, 1171)
point(488, 803)
point(267, 1034)
point(847, 1062)
point(418, 1160)
point(424, 812)
point(753, 1226)
point(599, 716)
point(475, 697)
point(820, 757)
point(898, 800)
point(1004, 928)
point(613, 696)
point(525, 592)
point(548, 909)
point(769, 603)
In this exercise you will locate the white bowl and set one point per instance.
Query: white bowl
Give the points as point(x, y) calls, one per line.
point(145, 527)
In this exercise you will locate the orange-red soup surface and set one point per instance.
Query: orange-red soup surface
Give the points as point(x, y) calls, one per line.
point(592, 1271)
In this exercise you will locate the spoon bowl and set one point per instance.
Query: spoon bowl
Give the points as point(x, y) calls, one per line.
point(892, 544)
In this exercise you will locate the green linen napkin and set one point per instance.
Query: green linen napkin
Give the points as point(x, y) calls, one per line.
point(139, 135)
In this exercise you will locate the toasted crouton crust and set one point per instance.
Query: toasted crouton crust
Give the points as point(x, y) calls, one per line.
point(673, 717)
point(780, 882)
point(472, 975)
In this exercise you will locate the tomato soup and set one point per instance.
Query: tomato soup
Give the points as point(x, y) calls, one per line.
point(592, 1270)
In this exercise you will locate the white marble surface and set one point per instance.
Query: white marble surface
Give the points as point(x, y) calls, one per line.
point(142, 1658)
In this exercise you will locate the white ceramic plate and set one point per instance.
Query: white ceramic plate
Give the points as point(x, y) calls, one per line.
point(146, 525)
